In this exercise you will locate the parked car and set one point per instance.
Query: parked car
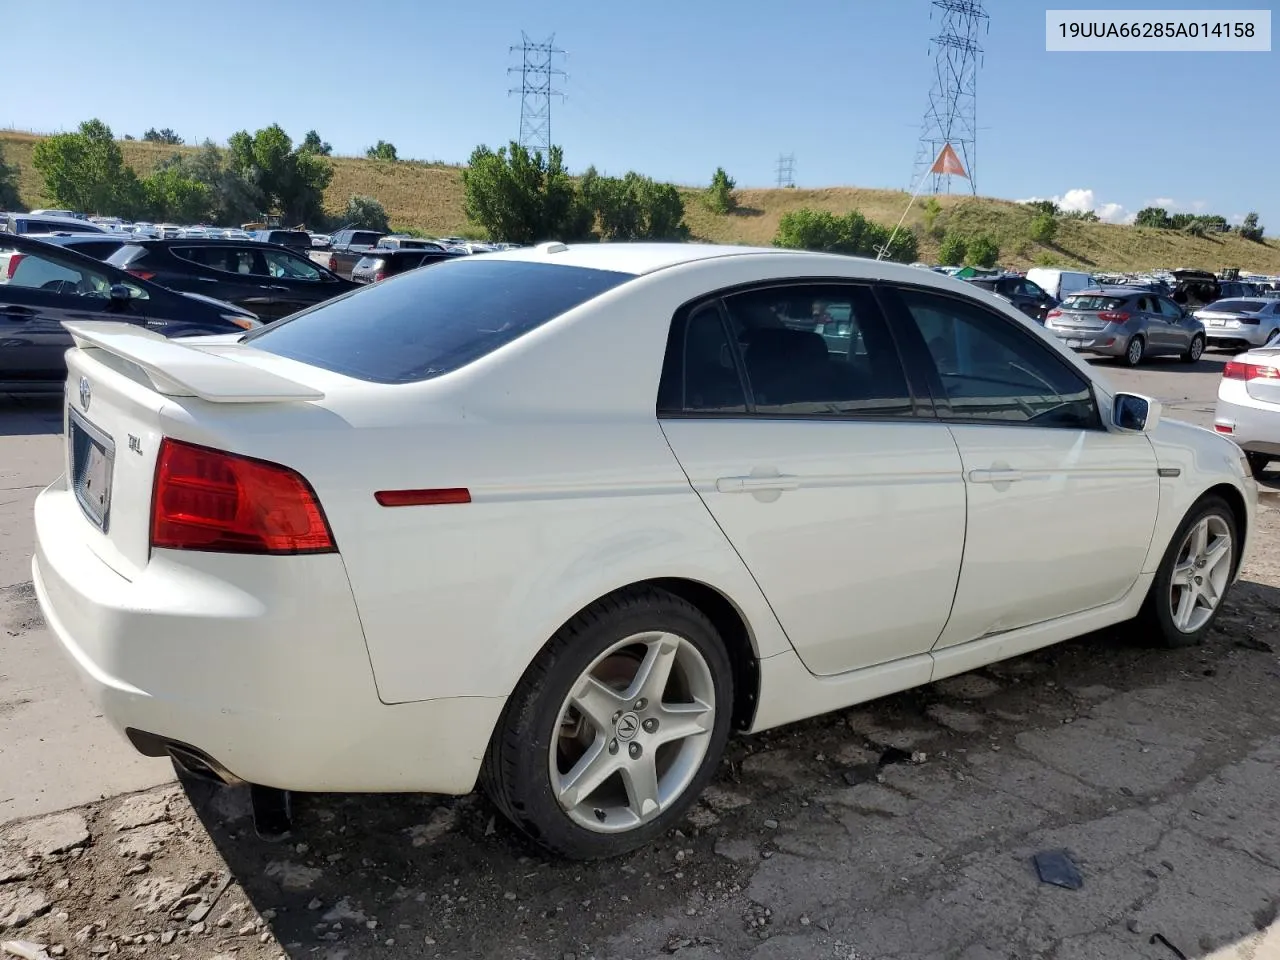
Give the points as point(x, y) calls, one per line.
point(1021, 292)
point(588, 584)
point(20, 223)
point(1248, 409)
point(42, 285)
point(1060, 284)
point(1245, 322)
point(348, 247)
point(1130, 324)
point(380, 264)
point(402, 242)
point(293, 239)
point(96, 245)
point(266, 278)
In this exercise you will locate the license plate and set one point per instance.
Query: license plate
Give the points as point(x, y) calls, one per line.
point(92, 459)
point(1075, 343)
point(1217, 323)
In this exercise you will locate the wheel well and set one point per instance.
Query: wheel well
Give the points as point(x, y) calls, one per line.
point(1235, 500)
point(732, 628)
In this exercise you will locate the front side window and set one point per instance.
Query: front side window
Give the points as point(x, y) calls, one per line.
point(288, 267)
point(1169, 309)
point(992, 372)
point(427, 323)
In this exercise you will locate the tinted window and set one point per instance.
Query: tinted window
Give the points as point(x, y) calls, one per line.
point(429, 322)
point(818, 351)
point(286, 266)
point(1082, 302)
point(700, 374)
point(363, 238)
point(1236, 306)
point(54, 274)
point(228, 259)
point(992, 371)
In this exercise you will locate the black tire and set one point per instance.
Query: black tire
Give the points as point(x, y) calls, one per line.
point(516, 773)
point(1156, 616)
point(1257, 461)
point(1195, 351)
point(1134, 351)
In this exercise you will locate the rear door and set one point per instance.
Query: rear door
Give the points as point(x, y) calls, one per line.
point(224, 272)
point(842, 497)
point(1182, 326)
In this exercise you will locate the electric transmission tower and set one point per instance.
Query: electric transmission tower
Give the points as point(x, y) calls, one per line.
point(953, 98)
point(787, 170)
point(537, 76)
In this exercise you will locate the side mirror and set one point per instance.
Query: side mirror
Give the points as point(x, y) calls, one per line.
point(1135, 413)
point(120, 293)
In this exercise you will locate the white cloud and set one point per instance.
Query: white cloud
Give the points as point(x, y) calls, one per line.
point(1165, 202)
point(1082, 199)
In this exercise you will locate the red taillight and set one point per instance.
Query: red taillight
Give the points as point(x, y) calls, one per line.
point(379, 276)
point(141, 274)
point(333, 263)
point(1055, 312)
point(207, 499)
point(1235, 370)
point(14, 260)
point(1224, 428)
point(1112, 316)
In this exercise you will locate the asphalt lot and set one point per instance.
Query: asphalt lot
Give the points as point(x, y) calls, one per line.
point(1156, 771)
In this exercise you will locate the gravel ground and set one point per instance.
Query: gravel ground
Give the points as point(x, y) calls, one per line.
point(901, 829)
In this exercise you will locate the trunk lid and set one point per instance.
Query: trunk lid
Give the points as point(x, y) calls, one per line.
point(1266, 389)
point(125, 391)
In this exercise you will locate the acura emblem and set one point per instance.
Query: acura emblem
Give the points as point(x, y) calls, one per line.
point(85, 394)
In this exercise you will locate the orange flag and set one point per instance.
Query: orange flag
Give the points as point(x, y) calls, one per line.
point(948, 163)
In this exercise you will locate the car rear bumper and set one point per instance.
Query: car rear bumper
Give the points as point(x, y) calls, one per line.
point(259, 663)
point(1093, 341)
point(1253, 424)
point(1251, 334)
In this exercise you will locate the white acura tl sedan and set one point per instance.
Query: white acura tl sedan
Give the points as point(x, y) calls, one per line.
point(558, 519)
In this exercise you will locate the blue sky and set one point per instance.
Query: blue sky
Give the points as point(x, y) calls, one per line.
point(672, 89)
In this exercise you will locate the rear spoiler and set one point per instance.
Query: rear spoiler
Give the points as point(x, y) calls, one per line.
point(179, 369)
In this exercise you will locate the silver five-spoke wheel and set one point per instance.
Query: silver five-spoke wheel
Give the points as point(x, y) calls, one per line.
point(633, 732)
point(1201, 573)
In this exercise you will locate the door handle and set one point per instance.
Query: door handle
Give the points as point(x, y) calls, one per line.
point(756, 484)
point(995, 475)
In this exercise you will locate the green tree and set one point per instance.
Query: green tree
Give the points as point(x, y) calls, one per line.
point(1043, 228)
point(1250, 229)
point(382, 151)
point(8, 186)
point(85, 171)
point(982, 251)
point(1153, 217)
point(232, 198)
point(932, 210)
point(1196, 228)
point(290, 182)
point(852, 234)
point(1086, 215)
point(1215, 223)
point(173, 195)
point(162, 136)
point(366, 213)
point(720, 198)
point(1044, 206)
point(952, 250)
point(523, 197)
point(633, 207)
point(312, 143)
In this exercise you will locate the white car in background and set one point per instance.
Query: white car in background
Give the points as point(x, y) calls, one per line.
point(559, 519)
point(1248, 409)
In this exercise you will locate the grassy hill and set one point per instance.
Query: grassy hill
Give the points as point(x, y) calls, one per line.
point(429, 197)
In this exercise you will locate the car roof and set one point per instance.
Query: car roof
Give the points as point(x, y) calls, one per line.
point(168, 242)
point(635, 258)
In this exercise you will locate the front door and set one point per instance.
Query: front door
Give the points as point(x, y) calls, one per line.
point(292, 282)
point(1061, 510)
point(847, 507)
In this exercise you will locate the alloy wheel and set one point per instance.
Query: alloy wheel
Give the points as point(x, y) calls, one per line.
point(1197, 348)
point(1134, 351)
point(1201, 573)
point(633, 732)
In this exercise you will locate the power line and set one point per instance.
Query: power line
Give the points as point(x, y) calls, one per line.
point(787, 170)
point(951, 117)
point(537, 72)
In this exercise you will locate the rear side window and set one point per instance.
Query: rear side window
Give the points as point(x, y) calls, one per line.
point(1092, 303)
point(426, 323)
point(363, 238)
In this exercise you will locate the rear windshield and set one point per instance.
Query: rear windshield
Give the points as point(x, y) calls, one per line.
point(426, 323)
point(1236, 306)
point(289, 237)
point(363, 239)
point(1092, 303)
